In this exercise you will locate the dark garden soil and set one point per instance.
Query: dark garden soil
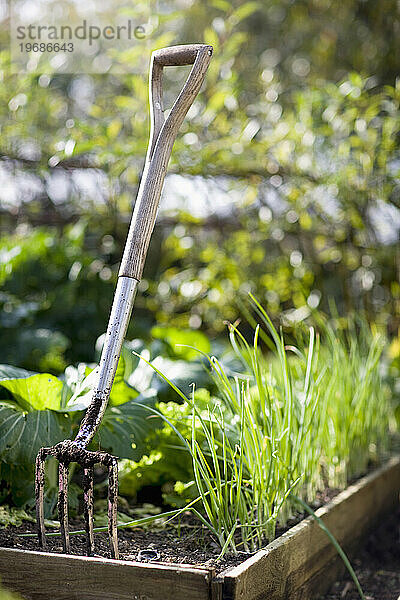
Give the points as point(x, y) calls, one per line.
point(377, 566)
point(189, 544)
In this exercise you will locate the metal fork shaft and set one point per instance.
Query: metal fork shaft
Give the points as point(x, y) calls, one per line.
point(116, 330)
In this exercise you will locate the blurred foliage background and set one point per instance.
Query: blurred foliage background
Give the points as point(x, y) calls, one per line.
point(284, 180)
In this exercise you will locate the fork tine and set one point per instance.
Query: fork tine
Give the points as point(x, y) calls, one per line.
point(63, 505)
point(112, 507)
point(39, 496)
point(88, 508)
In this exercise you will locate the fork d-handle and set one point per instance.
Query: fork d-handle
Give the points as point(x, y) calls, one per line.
point(162, 136)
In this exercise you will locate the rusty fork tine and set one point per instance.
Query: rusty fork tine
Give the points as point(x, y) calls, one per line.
point(112, 507)
point(88, 508)
point(63, 505)
point(39, 495)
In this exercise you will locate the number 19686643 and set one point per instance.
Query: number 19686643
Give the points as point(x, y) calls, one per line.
point(46, 47)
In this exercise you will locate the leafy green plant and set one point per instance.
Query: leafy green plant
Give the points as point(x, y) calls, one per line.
point(307, 164)
point(29, 413)
point(266, 442)
point(167, 461)
point(255, 438)
point(39, 409)
point(51, 309)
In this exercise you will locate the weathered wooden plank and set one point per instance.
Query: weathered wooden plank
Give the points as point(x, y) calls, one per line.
point(302, 562)
point(45, 576)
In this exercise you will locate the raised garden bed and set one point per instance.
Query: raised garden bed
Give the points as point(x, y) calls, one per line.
point(301, 563)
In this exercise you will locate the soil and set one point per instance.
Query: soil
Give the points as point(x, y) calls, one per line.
point(192, 545)
point(377, 566)
point(189, 543)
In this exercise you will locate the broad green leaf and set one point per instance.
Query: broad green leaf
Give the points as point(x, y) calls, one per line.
point(11, 372)
point(181, 373)
point(35, 392)
point(22, 433)
point(125, 428)
point(121, 391)
point(82, 394)
point(180, 339)
point(18, 483)
point(72, 378)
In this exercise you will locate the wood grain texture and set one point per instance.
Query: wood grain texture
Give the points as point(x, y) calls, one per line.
point(162, 137)
point(44, 576)
point(177, 55)
point(303, 563)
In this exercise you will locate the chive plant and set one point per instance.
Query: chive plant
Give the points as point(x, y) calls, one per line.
point(262, 437)
point(268, 422)
point(355, 402)
point(288, 424)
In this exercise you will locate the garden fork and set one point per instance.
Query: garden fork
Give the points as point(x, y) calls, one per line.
point(162, 136)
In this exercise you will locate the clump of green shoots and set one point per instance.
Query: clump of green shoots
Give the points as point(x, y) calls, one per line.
point(260, 441)
point(311, 415)
point(354, 400)
point(286, 425)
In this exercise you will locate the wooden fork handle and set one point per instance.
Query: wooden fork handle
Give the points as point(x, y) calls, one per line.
point(162, 137)
point(177, 56)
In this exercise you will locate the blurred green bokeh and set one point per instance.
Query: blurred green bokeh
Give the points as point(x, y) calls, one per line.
point(284, 180)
